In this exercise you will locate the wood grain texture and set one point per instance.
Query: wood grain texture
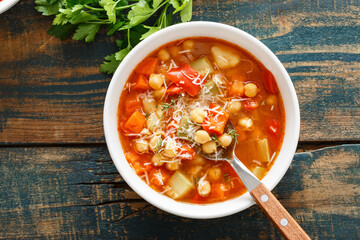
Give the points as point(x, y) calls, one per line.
point(76, 193)
point(277, 214)
point(51, 91)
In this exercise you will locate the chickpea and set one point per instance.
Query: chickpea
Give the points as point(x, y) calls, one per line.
point(234, 107)
point(164, 54)
point(195, 170)
point(154, 143)
point(152, 121)
point(188, 45)
point(225, 140)
point(246, 123)
point(173, 166)
point(158, 160)
point(251, 90)
point(141, 145)
point(174, 51)
point(204, 188)
point(271, 100)
point(158, 93)
point(209, 147)
point(156, 80)
point(149, 105)
point(214, 173)
point(197, 115)
point(198, 160)
point(202, 137)
point(170, 149)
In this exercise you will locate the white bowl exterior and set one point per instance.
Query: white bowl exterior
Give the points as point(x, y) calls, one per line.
point(6, 4)
point(201, 29)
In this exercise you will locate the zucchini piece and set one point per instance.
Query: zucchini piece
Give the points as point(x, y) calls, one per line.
point(263, 149)
point(179, 185)
point(182, 132)
point(213, 89)
point(203, 66)
point(259, 172)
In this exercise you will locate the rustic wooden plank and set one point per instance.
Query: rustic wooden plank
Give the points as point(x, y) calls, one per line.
point(52, 91)
point(76, 193)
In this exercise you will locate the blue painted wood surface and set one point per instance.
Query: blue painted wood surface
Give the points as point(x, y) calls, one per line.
point(58, 182)
point(76, 193)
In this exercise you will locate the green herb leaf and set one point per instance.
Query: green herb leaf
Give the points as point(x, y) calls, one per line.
point(48, 7)
point(62, 31)
point(109, 6)
point(139, 13)
point(86, 31)
point(110, 64)
point(186, 13)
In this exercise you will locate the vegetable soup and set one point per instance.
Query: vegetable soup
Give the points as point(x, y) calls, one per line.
point(181, 97)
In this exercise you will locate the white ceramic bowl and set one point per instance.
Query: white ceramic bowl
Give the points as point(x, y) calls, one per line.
point(6, 4)
point(201, 29)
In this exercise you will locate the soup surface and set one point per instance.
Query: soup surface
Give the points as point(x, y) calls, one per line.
point(181, 97)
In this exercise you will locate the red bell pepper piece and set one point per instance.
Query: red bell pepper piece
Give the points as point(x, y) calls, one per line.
point(216, 119)
point(174, 90)
point(148, 66)
point(269, 82)
point(273, 126)
point(186, 152)
point(187, 78)
point(250, 105)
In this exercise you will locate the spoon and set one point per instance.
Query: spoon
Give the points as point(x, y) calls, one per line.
point(268, 203)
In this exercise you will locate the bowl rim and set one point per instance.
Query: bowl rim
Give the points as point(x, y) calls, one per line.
point(201, 28)
point(6, 5)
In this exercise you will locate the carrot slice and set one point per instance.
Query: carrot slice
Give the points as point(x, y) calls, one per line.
point(136, 122)
point(132, 104)
point(148, 66)
point(141, 83)
point(132, 157)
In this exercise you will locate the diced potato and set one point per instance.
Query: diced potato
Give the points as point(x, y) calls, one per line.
point(203, 66)
point(224, 56)
point(259, 172)
point(170, 149)
point(179, 185)
point(149, 105)
point(152, 121)
point(263, 149)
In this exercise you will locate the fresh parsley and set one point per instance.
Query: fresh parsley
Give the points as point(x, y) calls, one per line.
point(85, 18)
point(166, 106)
point(215, 139)
point(233, 134)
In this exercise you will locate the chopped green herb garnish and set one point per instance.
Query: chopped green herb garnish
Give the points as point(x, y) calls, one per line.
point(233, 134)
point(166, 106)
point(263, 103)
point(226, 178)
point(215, 139)
point(160, 146)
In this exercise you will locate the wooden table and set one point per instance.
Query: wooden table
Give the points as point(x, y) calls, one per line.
point(57, 180)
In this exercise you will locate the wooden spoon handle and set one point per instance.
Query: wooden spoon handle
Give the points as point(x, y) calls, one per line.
point(282, 220)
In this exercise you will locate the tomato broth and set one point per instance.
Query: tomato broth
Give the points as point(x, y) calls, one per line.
point(181, 96)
